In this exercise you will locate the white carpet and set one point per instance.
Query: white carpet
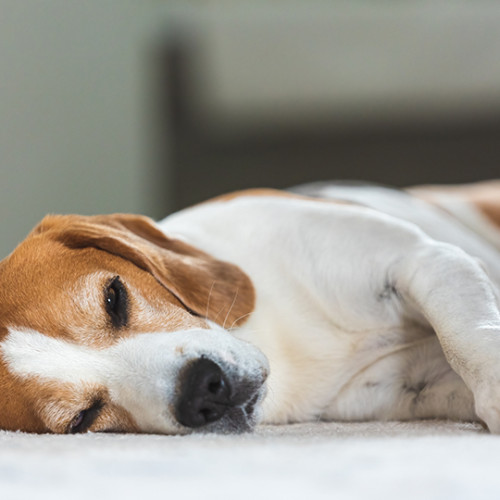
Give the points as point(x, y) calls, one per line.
point(422, 460)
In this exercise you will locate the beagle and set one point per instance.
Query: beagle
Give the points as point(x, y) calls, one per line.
point(337, 303)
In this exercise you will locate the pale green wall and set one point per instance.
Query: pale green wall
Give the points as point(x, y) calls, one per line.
point(73, 110)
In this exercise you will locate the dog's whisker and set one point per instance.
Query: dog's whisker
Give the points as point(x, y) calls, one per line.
point(209, 296)
point(216, 317)
point(230, 308)
point(238, 319)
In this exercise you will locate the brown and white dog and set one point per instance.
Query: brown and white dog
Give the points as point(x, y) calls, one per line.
point(370, 303)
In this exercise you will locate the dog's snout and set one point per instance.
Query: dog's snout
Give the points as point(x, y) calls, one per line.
point(204, 394)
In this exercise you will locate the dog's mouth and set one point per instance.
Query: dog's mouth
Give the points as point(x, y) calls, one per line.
point(211, 399)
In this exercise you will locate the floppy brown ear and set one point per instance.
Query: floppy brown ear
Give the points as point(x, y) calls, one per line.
point(211, 288)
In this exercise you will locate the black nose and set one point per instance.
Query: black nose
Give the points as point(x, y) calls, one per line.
point(204, 394)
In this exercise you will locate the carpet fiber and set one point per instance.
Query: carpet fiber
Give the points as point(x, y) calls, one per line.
point(430, 459)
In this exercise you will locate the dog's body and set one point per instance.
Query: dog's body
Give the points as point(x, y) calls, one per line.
point(369, 303)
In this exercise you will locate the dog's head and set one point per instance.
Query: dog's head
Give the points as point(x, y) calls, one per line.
point(108, 325)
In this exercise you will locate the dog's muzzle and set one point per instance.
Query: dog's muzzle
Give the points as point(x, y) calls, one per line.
point(207, 395)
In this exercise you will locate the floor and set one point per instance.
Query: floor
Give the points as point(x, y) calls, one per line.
point(429, 459)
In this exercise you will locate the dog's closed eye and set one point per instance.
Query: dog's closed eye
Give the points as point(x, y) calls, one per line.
point(84, 420)
point(116, 302)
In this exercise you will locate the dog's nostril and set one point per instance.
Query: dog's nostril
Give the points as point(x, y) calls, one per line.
point(204, 394)
point(217, 386)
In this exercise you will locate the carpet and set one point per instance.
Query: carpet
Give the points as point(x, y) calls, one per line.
point(416, 460)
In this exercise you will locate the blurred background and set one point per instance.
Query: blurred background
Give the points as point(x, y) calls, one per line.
point(147, 106)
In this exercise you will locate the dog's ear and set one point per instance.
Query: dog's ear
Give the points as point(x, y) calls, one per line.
point(210, 288)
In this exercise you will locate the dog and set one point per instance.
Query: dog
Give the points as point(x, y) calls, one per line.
point(334, 302)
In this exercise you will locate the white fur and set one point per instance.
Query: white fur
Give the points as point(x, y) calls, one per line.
point(349, 301)
point(139, 372)
point(386, 311)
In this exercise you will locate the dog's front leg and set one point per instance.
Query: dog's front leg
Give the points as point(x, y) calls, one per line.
point(457, 298)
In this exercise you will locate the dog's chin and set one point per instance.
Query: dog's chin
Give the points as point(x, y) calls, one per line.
point(234, 422)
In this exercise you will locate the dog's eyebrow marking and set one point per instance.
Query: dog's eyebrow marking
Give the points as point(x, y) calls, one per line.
point(88, 291)
point(30, 353)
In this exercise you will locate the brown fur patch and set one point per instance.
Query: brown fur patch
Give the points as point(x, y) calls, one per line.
point(38, 406)
point(55, 282)
point(209, 287)
point(17, 410)
point(485, 196)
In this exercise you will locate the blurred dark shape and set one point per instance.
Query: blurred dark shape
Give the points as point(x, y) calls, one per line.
point(209, 154)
